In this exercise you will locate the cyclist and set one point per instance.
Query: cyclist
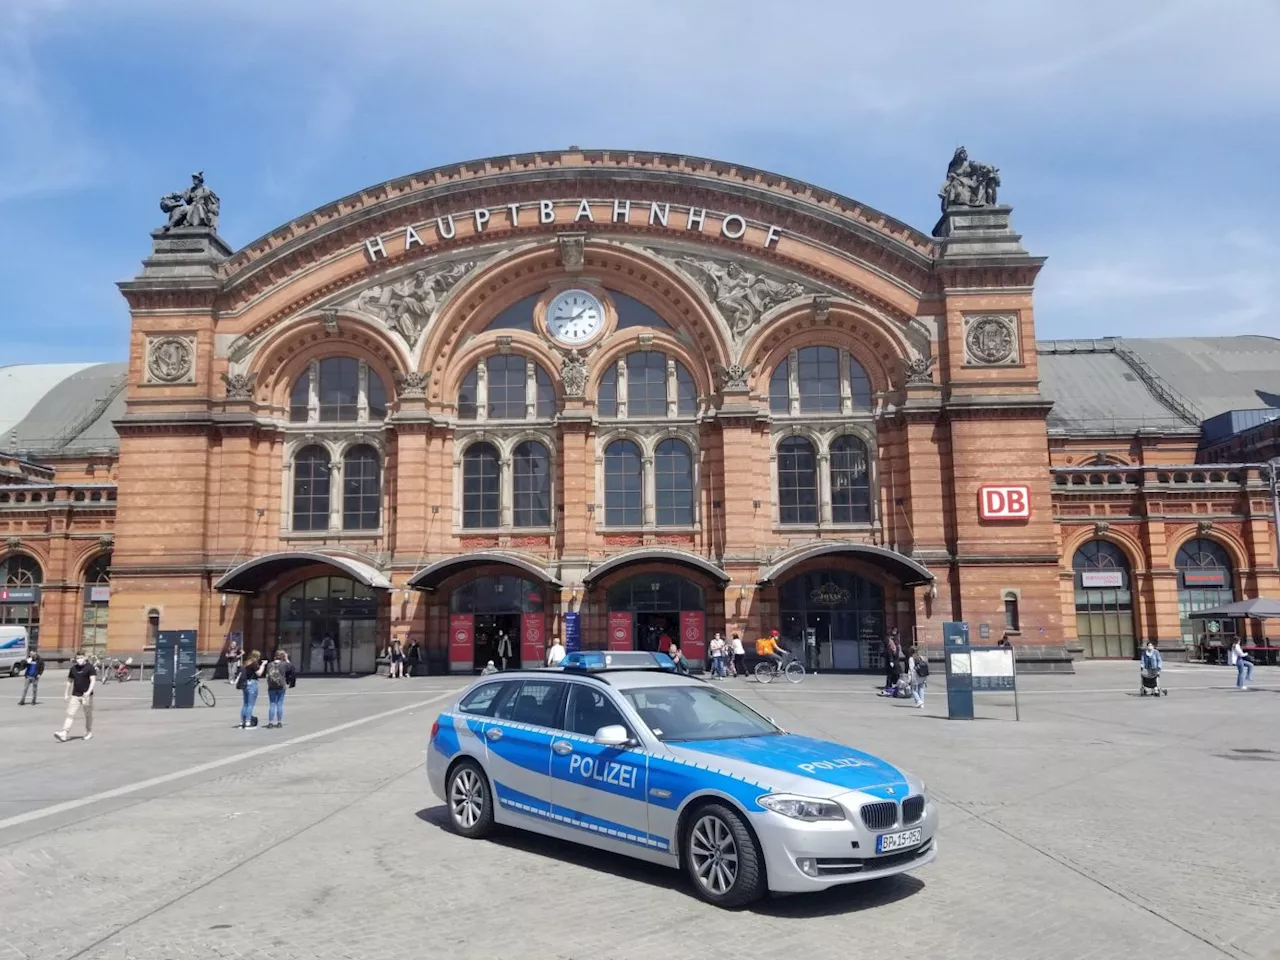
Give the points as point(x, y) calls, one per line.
point(772, 648)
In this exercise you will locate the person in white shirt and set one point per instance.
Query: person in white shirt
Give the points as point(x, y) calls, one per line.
point(717, 657)
point(555, 652)
point(739, 656)
point(1244, 666)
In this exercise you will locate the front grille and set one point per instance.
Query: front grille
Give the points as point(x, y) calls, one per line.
point(912, 809)
point(880, 816)
point(837, 866)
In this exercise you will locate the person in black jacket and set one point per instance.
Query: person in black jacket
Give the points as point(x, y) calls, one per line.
point(32, 668)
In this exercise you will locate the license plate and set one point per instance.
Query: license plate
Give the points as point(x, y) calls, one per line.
point(889, 842)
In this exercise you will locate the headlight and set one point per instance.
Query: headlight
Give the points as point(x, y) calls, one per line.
point(802, 808)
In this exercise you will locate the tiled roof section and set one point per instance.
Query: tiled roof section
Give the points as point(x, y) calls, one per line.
point(74, 417)
point(1217, 373)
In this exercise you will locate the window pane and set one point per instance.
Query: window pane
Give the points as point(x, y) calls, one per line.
point(506, 387)
point(300, 398)
point(518, 316)
point(339, 388)
point(311, 489)
point(607, 398)
point(361, 489)
point(819, 379)
point(859, 384)
point(797, 481)
point(531, 480)
point(686, 392)
point(546, 393)
point(673, 480)
point(779, 388)
point(589, 710)
point(850, 481)
point(537, 703)
point(646, 384)
point(467, 394)
point(623, 485)
point(633, 313)
point(481, 484)
point(377, 394)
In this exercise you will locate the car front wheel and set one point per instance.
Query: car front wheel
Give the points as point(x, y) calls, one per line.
point(470, 801)
point(722, 858)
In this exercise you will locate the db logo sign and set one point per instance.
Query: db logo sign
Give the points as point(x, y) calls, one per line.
point(1004, 502)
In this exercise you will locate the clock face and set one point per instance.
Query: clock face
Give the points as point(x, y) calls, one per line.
point(574, 316)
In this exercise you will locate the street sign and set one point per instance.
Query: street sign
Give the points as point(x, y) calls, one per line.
point(184, 689)
point(572, 632)
point(162, 672)
point(959, 671)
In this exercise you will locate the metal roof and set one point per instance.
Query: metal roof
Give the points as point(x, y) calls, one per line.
point(22, 386)
point(73, 415)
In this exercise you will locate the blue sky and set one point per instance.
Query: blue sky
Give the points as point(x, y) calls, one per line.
point(1136, 140)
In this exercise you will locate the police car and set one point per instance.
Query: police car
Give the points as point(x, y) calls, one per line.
point(651, 764)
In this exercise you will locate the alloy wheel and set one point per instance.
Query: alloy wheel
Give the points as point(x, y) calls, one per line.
point(714, 854)
point(466, 799)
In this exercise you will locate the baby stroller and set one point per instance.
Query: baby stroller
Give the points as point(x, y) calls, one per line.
point(1151, 683)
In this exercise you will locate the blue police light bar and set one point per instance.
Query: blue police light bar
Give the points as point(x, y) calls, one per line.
point(617, 660)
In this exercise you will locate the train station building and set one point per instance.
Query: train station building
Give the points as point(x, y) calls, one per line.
point(652, 395)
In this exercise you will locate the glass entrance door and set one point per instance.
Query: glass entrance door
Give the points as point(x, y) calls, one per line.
point(330, 625)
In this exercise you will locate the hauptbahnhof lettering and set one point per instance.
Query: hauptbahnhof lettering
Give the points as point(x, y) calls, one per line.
point(456, 407)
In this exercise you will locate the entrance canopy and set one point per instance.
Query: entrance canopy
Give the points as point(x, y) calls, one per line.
point(1259, 608)
point(431, 576)
point(902, 568)
point(252, 575)
point(657, 554)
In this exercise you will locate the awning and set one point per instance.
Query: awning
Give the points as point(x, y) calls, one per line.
point(902, 568)
point(431, 576)
point(1259, 608)
point(252, 575)
point(660, 555)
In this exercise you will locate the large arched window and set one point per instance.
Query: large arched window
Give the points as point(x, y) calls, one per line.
point(361, 489)
point(23, 572)
point(300, 399)
point(337, 390)
point(531, 485)
point(850, 481)
point(797, 481)
point(650, 390)
point(646, 384)
point(819, 379)
point(824, 377)
point(1205, 581)
point(673, 484)
point(507, 385)
point(1104, 600)
point(481, 487)
point(623, 485)
point(96, 601)
point(467, 396)
point(311, 489)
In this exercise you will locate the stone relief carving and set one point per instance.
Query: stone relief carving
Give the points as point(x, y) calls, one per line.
point(734, 376)
point(1204, 526)
point(412, 384)
point(573, 250)
point(196, 206)
point(573, 374)
point(919, 369)
point(822, 308)
point(1100, 527)
point(741, 296)
point(990, 340)
point(408, 304)
point(239, 385)
point(969, 184)
point(171, 359)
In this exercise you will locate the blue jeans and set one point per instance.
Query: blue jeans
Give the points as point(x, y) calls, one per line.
point(917, 690)
point(1244, 672)
point(250, 701)
point(717, 666)
point(275, 705)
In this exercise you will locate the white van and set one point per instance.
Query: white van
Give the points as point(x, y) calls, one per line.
point(13, 649)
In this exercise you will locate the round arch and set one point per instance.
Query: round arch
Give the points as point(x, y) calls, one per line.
point(629, 341)
point(484, 346)
point(1235, 550)
point(1130, 547)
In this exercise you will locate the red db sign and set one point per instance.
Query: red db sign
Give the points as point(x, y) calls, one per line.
point(1011, 502)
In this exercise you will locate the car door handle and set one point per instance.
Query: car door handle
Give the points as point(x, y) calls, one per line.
point(562, 747)
point(493, 733)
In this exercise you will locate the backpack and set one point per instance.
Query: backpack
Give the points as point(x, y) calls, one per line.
point(922, 668)
point(275, 674)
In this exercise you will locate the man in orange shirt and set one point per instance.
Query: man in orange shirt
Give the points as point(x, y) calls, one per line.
point(772, 648)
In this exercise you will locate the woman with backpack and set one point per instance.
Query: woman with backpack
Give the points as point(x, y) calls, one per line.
point(248, 685)
point(918, 676)
point(280, 676)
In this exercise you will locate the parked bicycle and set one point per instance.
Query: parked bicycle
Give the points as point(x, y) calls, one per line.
point(768, 670)
point(113, 668)
point(202, 688)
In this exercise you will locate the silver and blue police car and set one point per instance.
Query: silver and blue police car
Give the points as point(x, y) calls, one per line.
point(645, 762)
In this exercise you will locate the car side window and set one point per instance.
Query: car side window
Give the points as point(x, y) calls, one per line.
point(537, 702)
point(589, 710)
point(484, 698)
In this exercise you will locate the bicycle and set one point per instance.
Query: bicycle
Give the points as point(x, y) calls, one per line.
point(768, 670)
point(121, 670)
point(202, 688)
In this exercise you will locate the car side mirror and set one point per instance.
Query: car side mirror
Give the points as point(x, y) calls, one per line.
point(614, 735)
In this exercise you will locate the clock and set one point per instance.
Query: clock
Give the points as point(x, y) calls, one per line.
point(574, 316)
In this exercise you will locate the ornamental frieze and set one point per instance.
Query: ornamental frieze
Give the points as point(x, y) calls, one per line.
point(408, 305)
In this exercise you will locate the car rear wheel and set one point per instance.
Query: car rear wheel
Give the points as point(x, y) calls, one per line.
point(470, 801)
point(722, 858)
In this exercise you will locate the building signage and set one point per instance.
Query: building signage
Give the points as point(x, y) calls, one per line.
point(99, 594)
point(693, 642)
point(19, 594)
point(1102, 578)
point(462, 629)
point(1004, 502)
point(532, 642)
point(830, 595)
point(1205, 578)
point(619, 630)
point(572, 632)
point(728, 226)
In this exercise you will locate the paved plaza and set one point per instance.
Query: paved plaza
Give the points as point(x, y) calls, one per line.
point(1100, 825)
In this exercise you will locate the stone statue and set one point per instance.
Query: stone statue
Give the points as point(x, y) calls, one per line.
point(742, 297)
point(969, 184)
point(573, 374)
point(413, 383)
point(407, 305)
point(239, 385)
point(197, 206)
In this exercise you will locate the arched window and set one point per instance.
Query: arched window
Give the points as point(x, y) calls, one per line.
point(686, 392)
point(780, 388)
point(467, 395)
point(311, 489)
point(607, 398)
point(673, 484)
point(623, 485)
point(377, 397)
point(507, 385)
point(153, 628)
point(1205, 581)
point(546, 405)
point(361, 489)
point(19, 570)
point(797, 481)
point(339, 389)
point(634, 313)
point(531, 485)
point(481, 487)
point(850, 481)
point(518, 316)
point(96, 600)
point(1104, 600)
point(646, 384)
point(820, 382)
point(300, 399)
point(1012, 619)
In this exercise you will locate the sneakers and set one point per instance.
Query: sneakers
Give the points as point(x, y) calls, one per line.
point(60, 736)
point(88, 736)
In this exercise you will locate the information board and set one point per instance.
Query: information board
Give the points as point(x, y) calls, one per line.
point(959, 670)
point(572, 632)
point(184, 688)
point(163, 670)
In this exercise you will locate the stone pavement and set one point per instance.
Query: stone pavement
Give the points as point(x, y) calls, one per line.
point(1101, 825)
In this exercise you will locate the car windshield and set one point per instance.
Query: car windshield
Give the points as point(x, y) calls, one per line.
point(696, 713)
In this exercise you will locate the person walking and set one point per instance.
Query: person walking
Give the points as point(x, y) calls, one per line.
point(280, 676)
point(555, 652)
point(892, 651)
point(248, 684)
point(396, 667)
point(82, 680)
point(739, 655)
point(918, 677)
point(235, 656)
point(717, 657)
point(330, 650)
point(32, 668)
point(1240, 659)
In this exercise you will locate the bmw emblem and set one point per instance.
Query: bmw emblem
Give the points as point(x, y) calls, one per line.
point(890, 789)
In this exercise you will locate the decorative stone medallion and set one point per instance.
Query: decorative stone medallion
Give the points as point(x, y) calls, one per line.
point(171, 359)
point(991, 340)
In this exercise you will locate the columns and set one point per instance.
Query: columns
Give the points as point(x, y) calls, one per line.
point(649, 484)
point(824, 488)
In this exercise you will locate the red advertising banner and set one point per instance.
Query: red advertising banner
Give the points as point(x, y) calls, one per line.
point(619, 630)
point(533, 645)
point(462, 631)
point(693, 639)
